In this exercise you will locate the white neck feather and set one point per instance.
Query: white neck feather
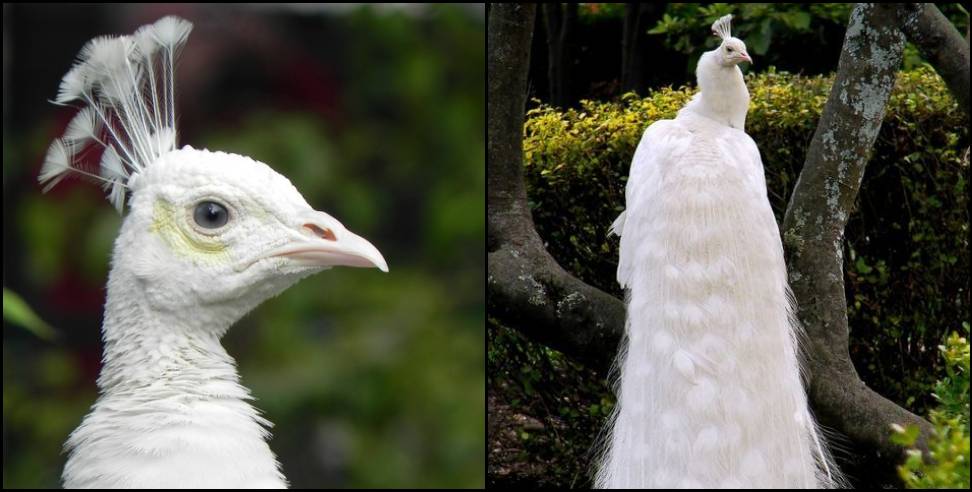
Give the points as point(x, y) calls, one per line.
point(143, 347)
point(171, 411)
point(723, 96)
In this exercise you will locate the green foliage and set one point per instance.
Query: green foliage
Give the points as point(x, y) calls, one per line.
point(778, 34)
point(949, 446)
point(570, 401)
point(904, 246)
point(952, 392)
point(43, 399)
point(686, 25)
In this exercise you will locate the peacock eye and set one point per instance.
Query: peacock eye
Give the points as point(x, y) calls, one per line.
point(210, 215)
point(729, 49)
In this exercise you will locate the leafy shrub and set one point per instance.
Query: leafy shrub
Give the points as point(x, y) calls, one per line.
point(558, 409)
point(906, 247)
point(949, 447)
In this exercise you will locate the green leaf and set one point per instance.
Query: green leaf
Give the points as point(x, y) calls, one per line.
point(761, 41)
point(799, 20)
point(662, 26)
point(904, 436)
point(16, 311)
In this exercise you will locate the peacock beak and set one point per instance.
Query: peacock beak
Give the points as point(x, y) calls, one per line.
point(745, 56)
point(325, 242)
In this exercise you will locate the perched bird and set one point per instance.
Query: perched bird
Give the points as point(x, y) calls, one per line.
point(710, 392)
point(208, 237)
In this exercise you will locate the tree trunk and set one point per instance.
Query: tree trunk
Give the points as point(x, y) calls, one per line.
point(525, 284)
point(941, 45)
point(635, 55)
point(813, 227)
point(560, 21)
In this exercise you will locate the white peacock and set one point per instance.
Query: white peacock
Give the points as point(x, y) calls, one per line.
point(208, 237)
point(710, 393)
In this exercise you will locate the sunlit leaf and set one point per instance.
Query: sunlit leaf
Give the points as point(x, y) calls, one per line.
point(16, 311)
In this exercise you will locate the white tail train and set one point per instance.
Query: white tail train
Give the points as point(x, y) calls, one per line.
point(710, 393)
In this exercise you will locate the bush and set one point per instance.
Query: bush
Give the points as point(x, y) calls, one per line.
point(545, 412)
point(906, 247)
point(949, 446)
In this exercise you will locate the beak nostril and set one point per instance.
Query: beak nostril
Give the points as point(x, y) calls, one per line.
point(321, 232)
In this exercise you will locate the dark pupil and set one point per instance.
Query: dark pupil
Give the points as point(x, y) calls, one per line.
point(730, 50)
point(211, 215)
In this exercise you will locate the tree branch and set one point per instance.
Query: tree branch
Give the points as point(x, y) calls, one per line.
point(941, 44)
point(813, 227)
point(527, 289)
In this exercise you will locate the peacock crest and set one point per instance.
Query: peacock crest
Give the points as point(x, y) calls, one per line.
point(124, 86)
point(722, 27)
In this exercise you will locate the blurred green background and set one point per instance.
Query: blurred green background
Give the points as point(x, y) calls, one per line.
point(376, 114)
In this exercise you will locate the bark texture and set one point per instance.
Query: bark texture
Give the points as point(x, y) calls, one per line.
point(941, 45)
point(813, 227)
point(527, 289)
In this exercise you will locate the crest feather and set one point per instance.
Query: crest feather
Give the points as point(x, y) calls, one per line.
point(722, 27)
point(125, 86)
point(85, 126)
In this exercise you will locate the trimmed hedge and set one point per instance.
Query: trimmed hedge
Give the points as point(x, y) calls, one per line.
point(906, 246)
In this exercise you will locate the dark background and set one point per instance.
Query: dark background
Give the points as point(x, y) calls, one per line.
point(669, 38)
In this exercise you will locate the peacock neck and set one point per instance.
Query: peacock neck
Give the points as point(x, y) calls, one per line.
point(146, 349)
point(169, 401)
point(151, 353)
point(722, 96)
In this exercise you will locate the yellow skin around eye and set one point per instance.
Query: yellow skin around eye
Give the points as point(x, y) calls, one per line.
point(167, 223)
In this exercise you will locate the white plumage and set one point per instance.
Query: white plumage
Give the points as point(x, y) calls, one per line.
point(710, 392)
point(208, 237)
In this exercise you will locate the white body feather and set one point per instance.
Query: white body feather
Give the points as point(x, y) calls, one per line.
point(710, 392)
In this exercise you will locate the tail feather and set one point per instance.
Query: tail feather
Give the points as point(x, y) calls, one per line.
point(617, 227)
point(709, 387)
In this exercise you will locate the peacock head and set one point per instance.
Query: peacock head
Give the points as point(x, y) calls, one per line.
point(212, 227)
point(203, 228)
point(732, 51)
